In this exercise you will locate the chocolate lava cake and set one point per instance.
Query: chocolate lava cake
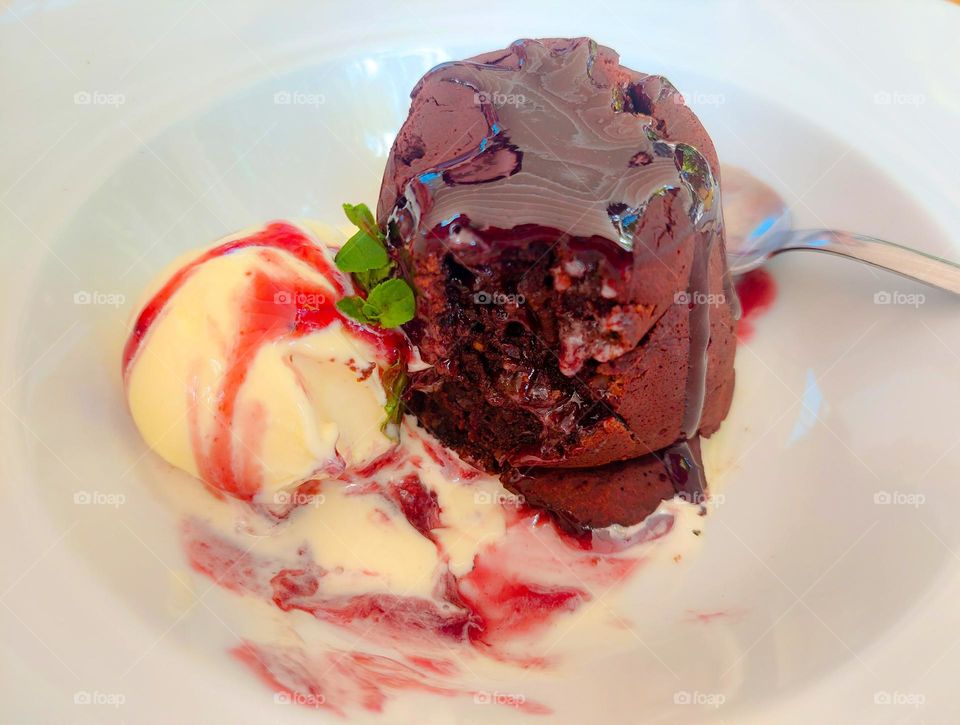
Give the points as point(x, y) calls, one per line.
point(559, 218)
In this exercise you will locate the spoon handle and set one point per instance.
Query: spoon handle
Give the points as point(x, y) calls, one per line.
point(908, 262)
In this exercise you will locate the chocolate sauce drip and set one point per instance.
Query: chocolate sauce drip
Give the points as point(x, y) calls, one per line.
point(684, 465)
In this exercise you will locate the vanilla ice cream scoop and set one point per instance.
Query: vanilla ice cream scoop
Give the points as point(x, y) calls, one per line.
point(241, 371)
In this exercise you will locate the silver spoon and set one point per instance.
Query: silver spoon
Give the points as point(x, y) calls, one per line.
point(758, 226)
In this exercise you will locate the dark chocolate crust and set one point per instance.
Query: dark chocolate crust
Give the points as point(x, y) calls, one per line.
point(622, 492)
point(589, 498)
point(558, 215)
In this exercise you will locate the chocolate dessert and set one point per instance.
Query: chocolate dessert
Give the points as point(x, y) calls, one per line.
point(559, 217)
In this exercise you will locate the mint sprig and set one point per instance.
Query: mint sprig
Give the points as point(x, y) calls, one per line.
point(386, 301)
point(362, 253)
point(393, 301)
point(394, 380)
point(365, 253)
point(389, 304)
point(361, 216)
point(389, 301)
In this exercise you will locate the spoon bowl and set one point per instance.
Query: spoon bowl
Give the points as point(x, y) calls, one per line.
point(759, 225)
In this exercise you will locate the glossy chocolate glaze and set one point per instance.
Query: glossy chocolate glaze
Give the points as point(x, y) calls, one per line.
point(553, 150)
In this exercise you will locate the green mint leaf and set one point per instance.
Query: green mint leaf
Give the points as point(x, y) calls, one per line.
point(362, 253)
point(365, 253)
point(352, 307)
point(394, 381)
point(391, 303)
point(362, 218)
point(371, 278)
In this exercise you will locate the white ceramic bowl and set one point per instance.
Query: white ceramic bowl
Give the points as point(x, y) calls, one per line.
point(134, 133)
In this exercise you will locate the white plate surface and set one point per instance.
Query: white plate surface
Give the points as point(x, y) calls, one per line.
point(135, 132)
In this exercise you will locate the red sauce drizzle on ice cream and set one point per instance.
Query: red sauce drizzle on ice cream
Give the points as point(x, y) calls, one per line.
point(276, 234)
point(272, 308)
